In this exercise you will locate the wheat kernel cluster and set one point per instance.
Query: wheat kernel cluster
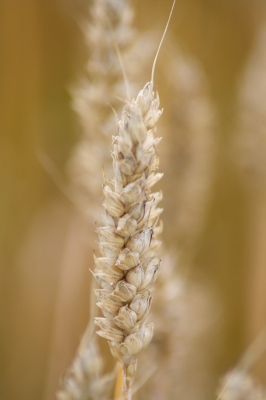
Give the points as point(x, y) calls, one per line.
point(128, 241)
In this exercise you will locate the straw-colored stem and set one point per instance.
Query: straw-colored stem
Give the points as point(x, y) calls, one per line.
point(119, 382)
point(127, 392)
point(123, 385)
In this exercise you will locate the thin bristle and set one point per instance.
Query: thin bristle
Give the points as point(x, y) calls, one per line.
point(161, 42)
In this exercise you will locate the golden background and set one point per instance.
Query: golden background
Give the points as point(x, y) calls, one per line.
point(41, 55)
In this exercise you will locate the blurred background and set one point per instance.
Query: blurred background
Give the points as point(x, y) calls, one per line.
point(42, 55)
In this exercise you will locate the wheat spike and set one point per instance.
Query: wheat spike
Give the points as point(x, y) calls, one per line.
point(128, 241)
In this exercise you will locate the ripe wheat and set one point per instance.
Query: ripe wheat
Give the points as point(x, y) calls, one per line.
point(128, 241)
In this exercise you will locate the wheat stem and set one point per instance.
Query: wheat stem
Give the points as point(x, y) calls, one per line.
point(127, 391)
point(119, 382)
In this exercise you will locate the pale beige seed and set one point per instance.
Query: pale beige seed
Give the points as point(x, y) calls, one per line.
point(135, 276)
point(127, 259)
point(113, 204)
point(126, 225)
point(141, 304)
point(108, 329)
point(140, 242)
point(124, 291)
point(126, 318)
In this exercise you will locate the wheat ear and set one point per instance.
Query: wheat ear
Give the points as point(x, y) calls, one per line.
point(128, 243)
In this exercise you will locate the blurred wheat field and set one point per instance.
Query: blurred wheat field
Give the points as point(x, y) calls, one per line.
point(46, 246)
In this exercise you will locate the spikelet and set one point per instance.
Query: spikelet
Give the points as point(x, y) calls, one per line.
point(128, 241)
